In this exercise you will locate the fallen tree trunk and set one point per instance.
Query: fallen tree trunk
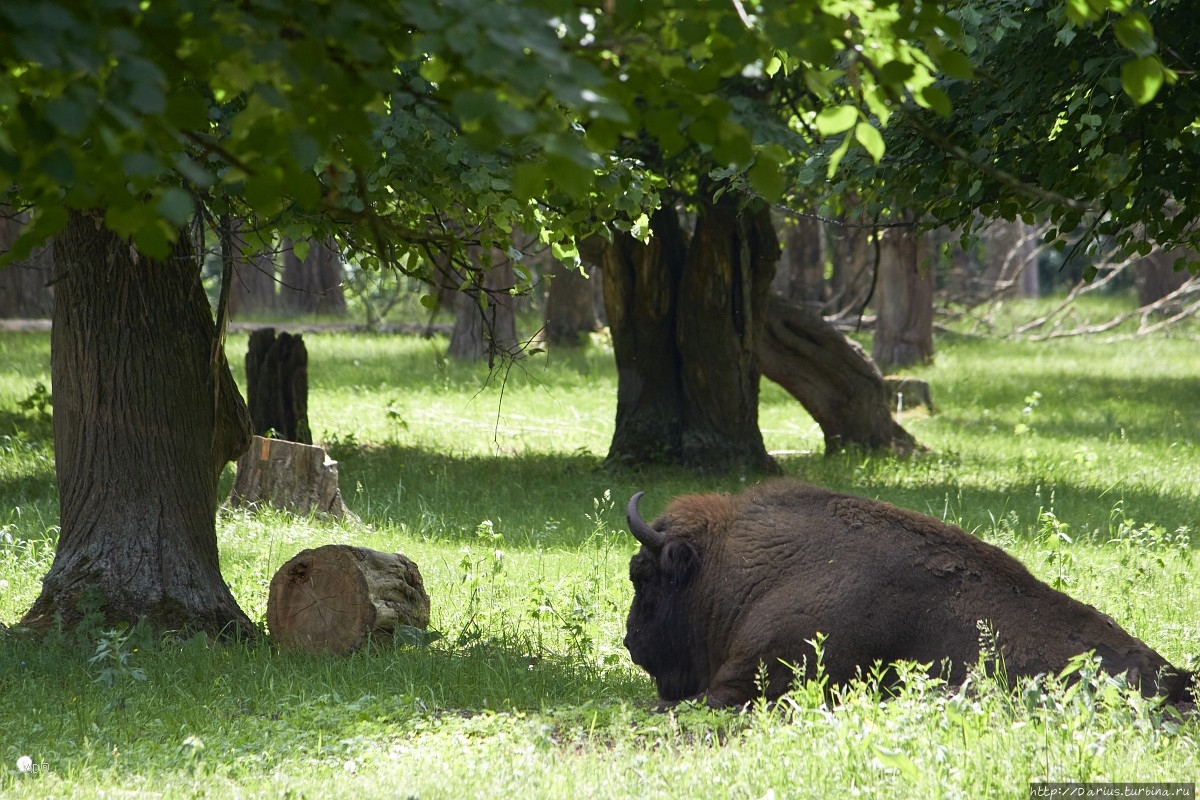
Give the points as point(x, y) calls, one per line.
point(833, 379)
point(291, 476)
point(332, 598)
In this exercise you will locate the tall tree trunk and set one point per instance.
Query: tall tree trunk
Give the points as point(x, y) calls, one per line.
point(24, 289)
point(314, 285)
point(145, 418)
point(722, 296)
point(570, 312)
point(904, 302)
point(1010, 254)
point(254, 287)
point(486, 329)
point(685, 319)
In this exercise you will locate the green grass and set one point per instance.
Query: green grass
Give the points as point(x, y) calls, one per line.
point(1079, 457)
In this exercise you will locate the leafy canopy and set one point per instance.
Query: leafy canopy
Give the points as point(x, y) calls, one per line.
point(407, 126)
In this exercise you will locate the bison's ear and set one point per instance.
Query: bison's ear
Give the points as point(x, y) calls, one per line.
point(679, 562)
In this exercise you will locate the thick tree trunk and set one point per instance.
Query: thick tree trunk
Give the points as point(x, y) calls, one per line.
point(144, 421)
point(722, 295)
point(833, 379)
point(24, 285)
point(904, 302)
point(570, 312)
point(277, 385)
point(314, 285)
point(332, 598)
point(685, 318)
point(640, 284)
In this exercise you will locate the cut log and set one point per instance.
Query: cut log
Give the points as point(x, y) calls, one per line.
point(295, 477)
point(332, 598)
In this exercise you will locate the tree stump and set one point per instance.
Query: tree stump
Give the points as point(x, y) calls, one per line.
point(277, 385)
point(331, 598)
point(295, 477)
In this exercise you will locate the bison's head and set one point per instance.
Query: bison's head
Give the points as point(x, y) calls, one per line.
point(659, 632)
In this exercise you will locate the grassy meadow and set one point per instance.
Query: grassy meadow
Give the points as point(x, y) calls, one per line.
point(1079, 456)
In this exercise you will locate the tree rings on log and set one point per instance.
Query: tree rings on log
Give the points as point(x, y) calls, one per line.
point(295, 477)
point(332, 598)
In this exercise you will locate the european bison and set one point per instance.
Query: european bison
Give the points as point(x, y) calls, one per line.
point(724, 584)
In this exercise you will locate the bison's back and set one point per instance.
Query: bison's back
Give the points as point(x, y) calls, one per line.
point(882, 583)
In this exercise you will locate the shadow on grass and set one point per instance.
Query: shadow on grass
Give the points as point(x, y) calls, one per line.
point(556, 500)
point(238, 697)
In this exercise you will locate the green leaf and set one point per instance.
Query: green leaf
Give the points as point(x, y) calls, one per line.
point(767, 178)
point(837, 119)
point(68, 116)
point(1141, 78)
point(934, 98)
point(956, 65)
point(871, 139)
point(1080, 12)
point(300, 249)
point(1135, 34)
point(176, 205)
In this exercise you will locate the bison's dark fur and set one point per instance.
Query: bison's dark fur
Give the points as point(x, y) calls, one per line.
point(724, 584)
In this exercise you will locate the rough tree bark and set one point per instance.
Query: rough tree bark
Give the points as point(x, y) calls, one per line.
point(800, 274)
point(146, 415)
point(685, 318)
point(722, 295)
point(852, 261)
point(290, 476)
point(640, 285)
point(904, 302)
point(833, 379)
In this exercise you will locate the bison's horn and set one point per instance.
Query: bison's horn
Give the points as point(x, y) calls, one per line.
point(639, 528)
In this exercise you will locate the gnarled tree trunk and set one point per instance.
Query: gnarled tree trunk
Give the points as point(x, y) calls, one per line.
point(685, 318)
point(833, 379)
point(145, 418)
point(486, 329)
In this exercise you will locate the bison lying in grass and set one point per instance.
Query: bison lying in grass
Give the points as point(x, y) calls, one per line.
point(724, 584)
